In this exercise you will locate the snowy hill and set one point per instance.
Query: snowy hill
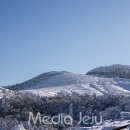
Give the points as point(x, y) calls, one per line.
point(117, 70)
point(6, 92)
point(66, 83)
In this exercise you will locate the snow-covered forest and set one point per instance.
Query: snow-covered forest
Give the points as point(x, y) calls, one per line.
point(15, 110)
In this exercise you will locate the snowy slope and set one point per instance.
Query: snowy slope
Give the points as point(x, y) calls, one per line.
point(108, 125)
point(66, 83)
point(18, 127)
point(6, 92)
point(112, 71)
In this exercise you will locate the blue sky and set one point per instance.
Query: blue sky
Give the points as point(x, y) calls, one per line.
point(37, 36)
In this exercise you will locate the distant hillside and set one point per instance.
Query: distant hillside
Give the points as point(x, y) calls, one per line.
point(37, 81)
point(67, 83)
point(113, 71)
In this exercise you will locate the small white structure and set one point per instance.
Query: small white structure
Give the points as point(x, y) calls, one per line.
point(125, 115)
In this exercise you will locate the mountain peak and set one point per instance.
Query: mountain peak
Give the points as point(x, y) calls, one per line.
point(38, 79)
point(112, 71)
point(67, 83)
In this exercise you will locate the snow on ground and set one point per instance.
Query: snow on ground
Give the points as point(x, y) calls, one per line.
point(6, 92)
point(108, 125)
point(18, 127)
point(116, 70)
point(77, 84)
point(66, 83)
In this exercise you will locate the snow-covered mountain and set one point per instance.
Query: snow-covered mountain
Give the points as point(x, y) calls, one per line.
point(66, 83)
point(117, 70)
